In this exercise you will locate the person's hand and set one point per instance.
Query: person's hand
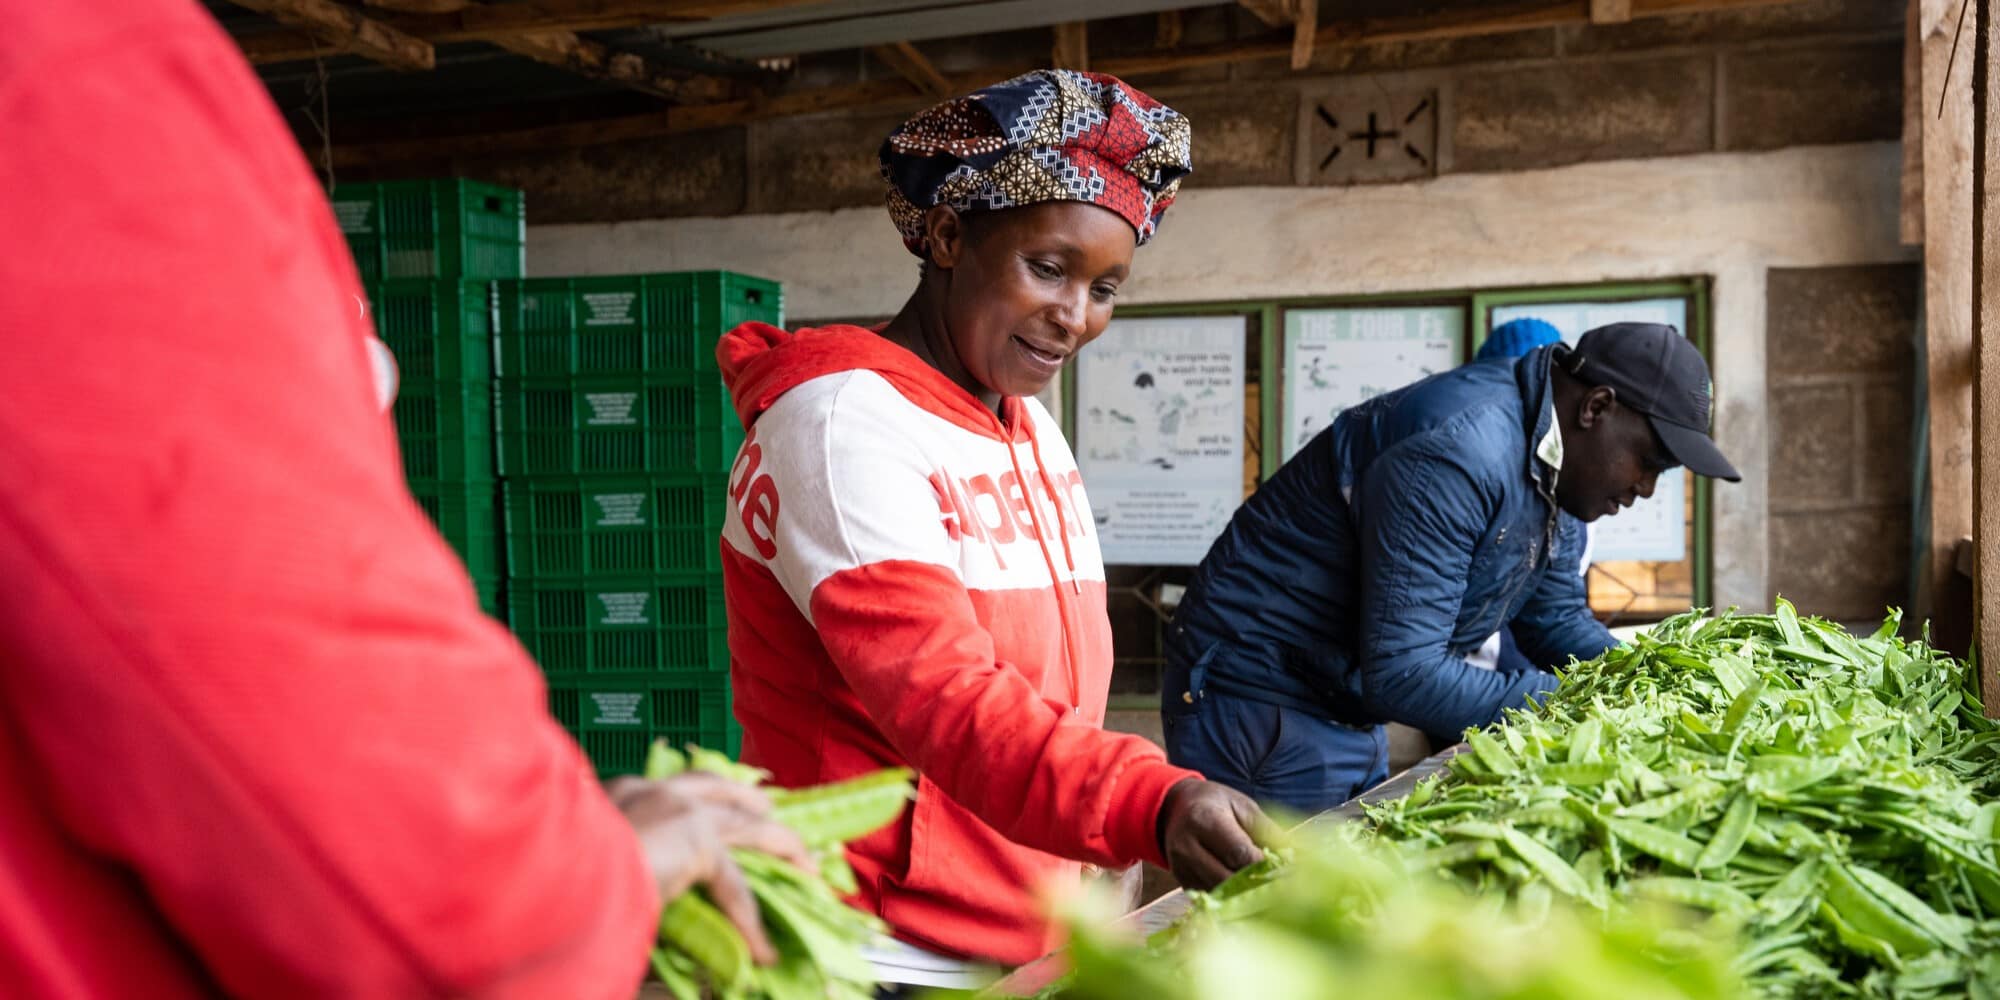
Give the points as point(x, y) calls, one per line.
point(687, 825)
point(1208, 831)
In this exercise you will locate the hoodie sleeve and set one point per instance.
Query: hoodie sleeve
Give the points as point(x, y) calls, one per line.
point(850, 524)
point(1556, 623)
point(245, 671)
point(1415, 557)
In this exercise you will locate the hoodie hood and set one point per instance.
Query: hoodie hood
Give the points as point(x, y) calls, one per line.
point(760, 363)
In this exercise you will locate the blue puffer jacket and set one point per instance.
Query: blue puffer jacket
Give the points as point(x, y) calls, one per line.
point(1353, 583)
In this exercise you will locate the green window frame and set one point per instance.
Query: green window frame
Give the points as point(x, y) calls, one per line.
point(1266, 323)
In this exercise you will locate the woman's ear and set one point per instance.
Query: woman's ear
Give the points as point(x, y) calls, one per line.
point(944, 236)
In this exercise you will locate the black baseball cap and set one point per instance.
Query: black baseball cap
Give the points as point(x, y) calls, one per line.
point(1657, 372)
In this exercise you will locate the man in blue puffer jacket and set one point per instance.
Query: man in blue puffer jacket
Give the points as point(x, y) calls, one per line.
point(1346, 592)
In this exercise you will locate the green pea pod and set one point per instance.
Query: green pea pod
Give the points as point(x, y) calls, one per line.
point(1551, 816)
point(1730, 834)
point(1662, 844)
point(1905, 902)
point(1781, 774)
point(1739, 708)
point(677, 972)
point(1788, 624)
point(694, 926)
point(1453, 855)
point(1779, 902)
point(1547, 863)
point(1699, 793)
point(844, 810)
point(1869, 915)
point(1716, 897)
point(1583, 741)
point(1859, 941)
point(1985, 885)
point(1491, 753)
point(1473, 829)
point(1582, 773)
point(663, 761)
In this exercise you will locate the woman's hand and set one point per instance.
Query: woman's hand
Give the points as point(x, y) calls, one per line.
point(1208, 831)
point(687, 826)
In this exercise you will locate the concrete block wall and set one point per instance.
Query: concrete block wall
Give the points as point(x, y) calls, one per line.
point(1807, 73)
point(1841, 374)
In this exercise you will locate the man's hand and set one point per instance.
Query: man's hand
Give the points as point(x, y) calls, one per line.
point(1208, 831)
point(687, 825)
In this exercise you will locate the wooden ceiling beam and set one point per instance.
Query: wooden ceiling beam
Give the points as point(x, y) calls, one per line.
point(883, 94)
point(566, 50)
point(1610, 11)
point(345, 29)
point(1276, 13)
point(492, 22)
point(912, 65)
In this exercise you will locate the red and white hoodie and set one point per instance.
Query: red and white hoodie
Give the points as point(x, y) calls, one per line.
point(912, 580)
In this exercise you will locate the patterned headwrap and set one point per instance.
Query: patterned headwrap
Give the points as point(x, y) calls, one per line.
point(1050, 135)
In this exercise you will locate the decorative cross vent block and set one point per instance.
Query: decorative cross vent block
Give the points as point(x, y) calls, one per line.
point(1369, 137)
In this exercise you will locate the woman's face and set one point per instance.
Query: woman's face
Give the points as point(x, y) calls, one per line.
point(1028, 288)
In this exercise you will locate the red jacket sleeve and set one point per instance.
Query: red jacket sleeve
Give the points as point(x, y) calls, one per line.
point(243, 665)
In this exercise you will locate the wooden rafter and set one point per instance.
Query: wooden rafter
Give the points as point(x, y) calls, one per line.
point(1610, 11)
point(495, 21)
point(1305, 32)
point(1276, 13)
point(914, 66)
point(566, 50)
point(417, 6)
point(884, 94)
point(329, 24)
point(1302, 16)
point(1170, 28)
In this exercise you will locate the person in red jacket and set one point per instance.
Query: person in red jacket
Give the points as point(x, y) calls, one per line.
point(911, 566)
point(256, 738)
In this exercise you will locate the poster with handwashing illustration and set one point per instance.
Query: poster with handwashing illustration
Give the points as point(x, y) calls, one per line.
point(1159, 435)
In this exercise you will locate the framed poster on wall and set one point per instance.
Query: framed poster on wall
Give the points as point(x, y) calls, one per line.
point(1655, 528)
point(1335, 358)
point(1159, 435)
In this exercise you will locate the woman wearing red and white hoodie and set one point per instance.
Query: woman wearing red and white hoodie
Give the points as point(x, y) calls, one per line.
point(912, 569)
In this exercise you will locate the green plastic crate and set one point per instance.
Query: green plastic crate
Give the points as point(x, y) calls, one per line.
point(627, 324)
point(669, 624)
point(467, 515)
point(612, 525)
point(625, 425)
point(445, 430)
point(617, 718)
point(439, 331)
point(490, 590)
point(449, 228)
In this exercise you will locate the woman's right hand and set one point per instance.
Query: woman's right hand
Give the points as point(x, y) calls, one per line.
point(687, 825)
point(1208, 831)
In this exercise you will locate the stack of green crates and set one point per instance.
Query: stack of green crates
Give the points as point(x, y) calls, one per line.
point(428, 252)
point(616, 438)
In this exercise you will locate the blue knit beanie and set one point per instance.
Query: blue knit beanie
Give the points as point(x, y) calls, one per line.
point(1517, 337)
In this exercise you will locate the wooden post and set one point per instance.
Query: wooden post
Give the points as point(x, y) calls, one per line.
point(1911, 223)
point(1986, 351)
point(1072, 48)
point(1948, 283)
